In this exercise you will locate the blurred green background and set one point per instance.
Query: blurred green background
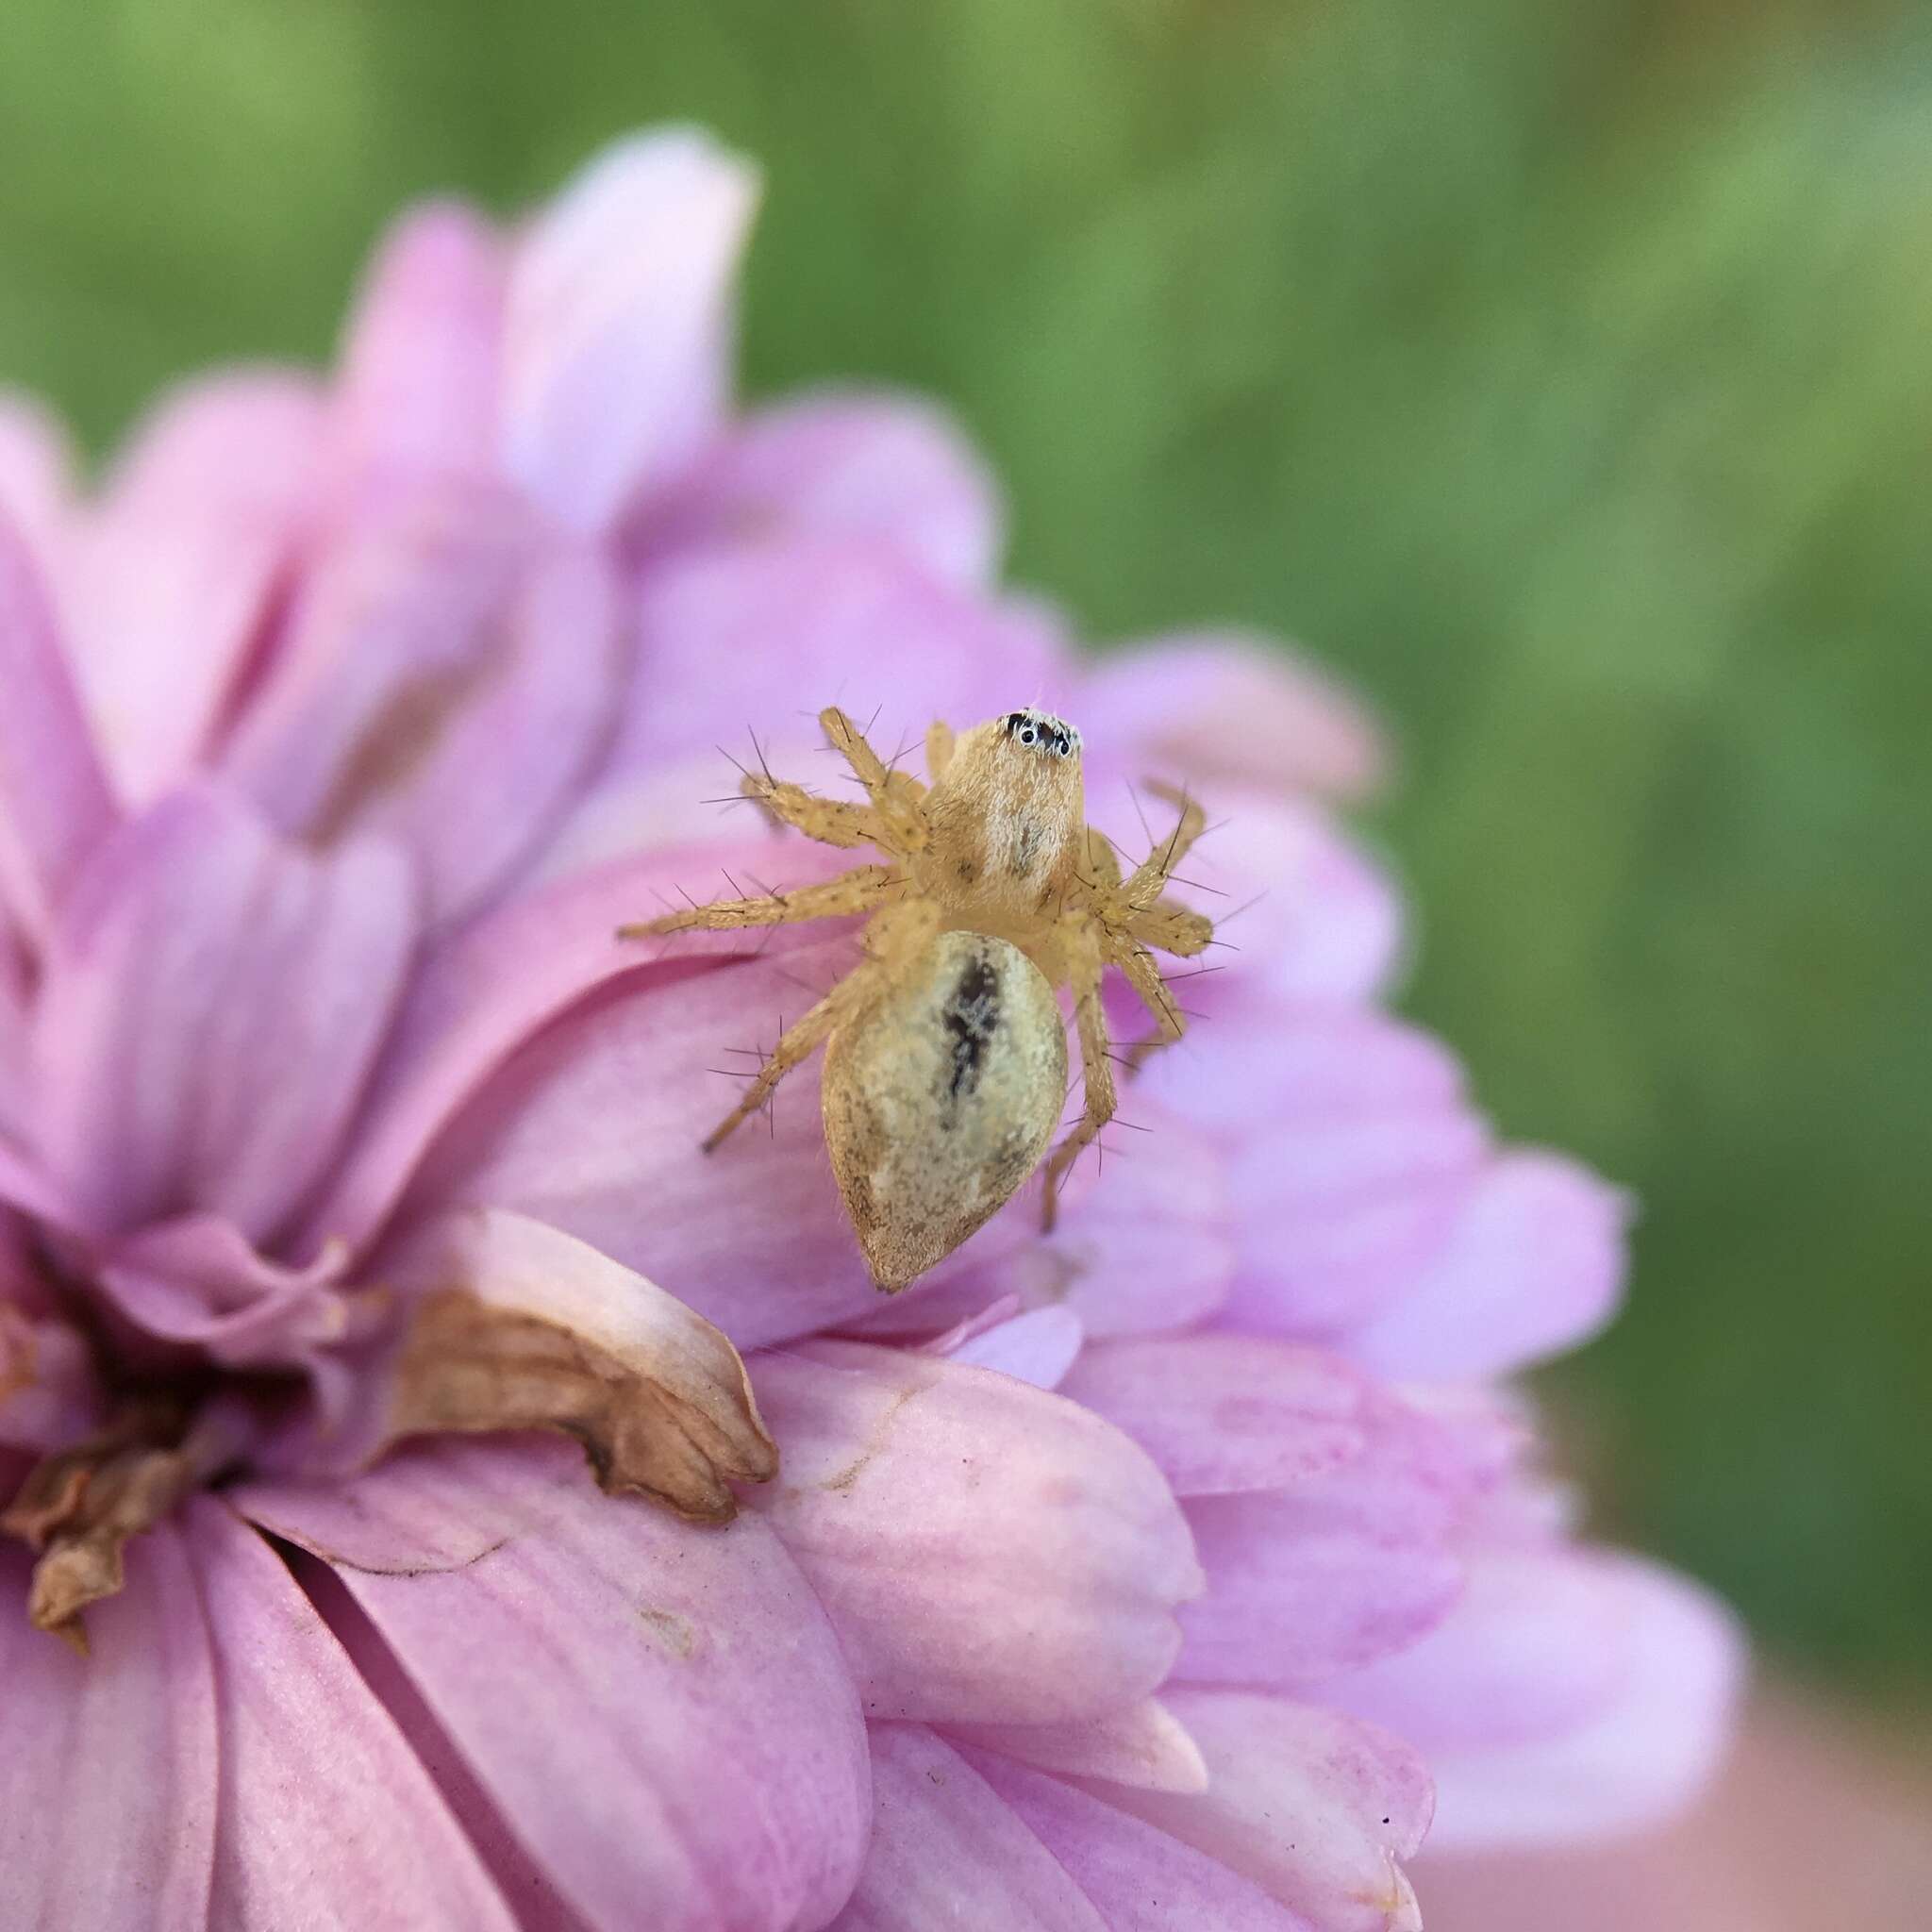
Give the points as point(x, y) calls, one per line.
point(1563, 374)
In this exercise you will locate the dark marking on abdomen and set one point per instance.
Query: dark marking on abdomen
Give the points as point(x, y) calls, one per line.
point(971, 1014)
point(1026, 846)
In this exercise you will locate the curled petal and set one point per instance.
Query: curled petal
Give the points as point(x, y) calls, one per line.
point(178, 569)
point(845, 463)
point(327, 1818)
point(517, 1327)
point(619, 323)
point(1316, 1808)
point(1533, 1265)
point(948, 1850)
point(55, 806)
point(108, 1785)
point(678, 1739)
point(989, 1553)
point(214, 1000)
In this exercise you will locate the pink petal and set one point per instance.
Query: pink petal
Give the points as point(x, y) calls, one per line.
point(481, 800)
point(1225, 705)
point(108, 1781)
point(619, 330)
point(947, 1851)
point(486, 988)
point(1533, 1265)
point(199, 1281)
point(1534, 1649)
point(722, 632)
point(1642, 1757)
point(989, 1553)
point(54, 801)
point(36, 468)
point(1316, 1808)
point(1142, 1743)
point(845, 463)
point(399, 628)
point(1225, 1413)
point(1294, 1598)
point(1368, 1157)
point(754, 1237)
point(180, 565)
point(1140, 1879)
point(327, 1819)
point(214, 1002)
point(417, 389)
point(1037, 1347)
point(52, 1395)
point(677, 1744)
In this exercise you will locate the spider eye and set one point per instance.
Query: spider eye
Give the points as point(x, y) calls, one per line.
point(1028, 736)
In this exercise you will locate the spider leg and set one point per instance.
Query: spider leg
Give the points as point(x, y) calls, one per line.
point(1151, 877)
point(939, 749)
point(1096, 1067)
point(1143, 975)
point(901, 820)
point(857, 891)
point(830, 821)
point(1171, 928)
point(894, 939)
point(1102, 861)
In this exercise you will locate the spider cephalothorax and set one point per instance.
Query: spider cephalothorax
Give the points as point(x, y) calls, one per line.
point(946, 1055)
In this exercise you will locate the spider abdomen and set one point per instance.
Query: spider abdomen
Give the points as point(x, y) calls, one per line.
point(941, 1098)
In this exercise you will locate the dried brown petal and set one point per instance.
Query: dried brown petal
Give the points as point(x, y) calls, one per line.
point(520, 1326)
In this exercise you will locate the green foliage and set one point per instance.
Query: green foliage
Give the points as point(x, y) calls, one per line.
point(1564, 374)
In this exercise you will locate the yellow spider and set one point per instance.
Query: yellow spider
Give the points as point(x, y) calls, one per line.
point(946, 1055)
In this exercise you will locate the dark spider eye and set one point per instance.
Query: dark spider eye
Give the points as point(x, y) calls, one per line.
point(1028, 736)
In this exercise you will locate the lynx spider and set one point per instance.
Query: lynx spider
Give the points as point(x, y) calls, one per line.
point(994, 860)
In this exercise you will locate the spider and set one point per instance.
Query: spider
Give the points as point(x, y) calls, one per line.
point(945, 1049)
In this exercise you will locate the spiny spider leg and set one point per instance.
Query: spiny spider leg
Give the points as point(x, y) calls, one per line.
point(1151, 877)
point(858, 891)
point(830, 821)
point(1087, 958)
point(903, 823)
point(939, 749)
point(1144, 977)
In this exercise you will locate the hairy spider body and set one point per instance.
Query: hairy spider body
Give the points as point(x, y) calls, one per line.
point(946, 1055)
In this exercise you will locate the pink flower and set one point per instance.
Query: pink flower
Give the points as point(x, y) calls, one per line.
point(1143, 1575)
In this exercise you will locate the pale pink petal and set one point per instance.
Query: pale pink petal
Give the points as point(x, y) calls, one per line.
point(1225, 706)
point(1299, 1592)
point(49, 1394)
point(177, 570)
point(1141, 1744)
point(754, 1236)
point(13, 1031)
point(660, 1709)
point(1316, 1808)
point(1369, 1154)
point(108, 1782)
point(947, 1851)
point(1643, 1757)
point(213, 1003)
point(486, 988)
point(1226, 1413)
point(1535, 1648)
point(53, 802)
point(479, 797)
point(36, 468)
point(1533, 1265)
point(989, 1553)
point(619, 329)
point(1138, 1877)
point(400, 625)
point(1037, 1347)
point(845, 463)
point(199, 1281)
point(327, 1819)
point(417, 389)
